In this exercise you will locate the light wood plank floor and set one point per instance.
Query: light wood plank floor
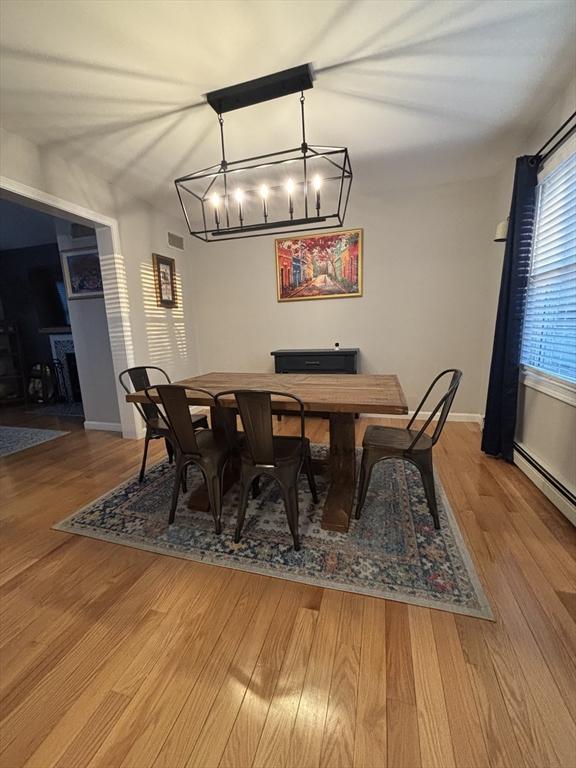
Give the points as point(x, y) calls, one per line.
point(115, 657)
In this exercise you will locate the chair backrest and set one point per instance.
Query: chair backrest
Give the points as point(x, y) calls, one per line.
point(255, 408)
point(139, 379)
point(175, 413)
point(443, 405)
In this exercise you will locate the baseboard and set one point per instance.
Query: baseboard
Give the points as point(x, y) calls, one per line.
point(108, 426)
point(475, 418)
point(538, 476)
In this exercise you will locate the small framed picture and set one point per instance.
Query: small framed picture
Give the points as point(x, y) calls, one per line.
point(164, 271)
point(82, 275)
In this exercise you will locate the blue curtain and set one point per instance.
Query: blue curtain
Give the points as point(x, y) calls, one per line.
point(500, 417)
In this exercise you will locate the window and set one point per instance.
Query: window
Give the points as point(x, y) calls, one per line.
point(549, 333)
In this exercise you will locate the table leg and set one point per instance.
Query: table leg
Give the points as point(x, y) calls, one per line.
point(223, 421)
point(342, 472)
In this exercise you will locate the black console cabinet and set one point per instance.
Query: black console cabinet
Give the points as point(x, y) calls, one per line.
point(315, 360)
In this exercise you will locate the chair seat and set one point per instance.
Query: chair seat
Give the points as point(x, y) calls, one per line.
point(209, 442)
point(159, 427)
point(394, 439)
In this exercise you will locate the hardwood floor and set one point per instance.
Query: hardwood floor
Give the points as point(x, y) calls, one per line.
point(111, 656)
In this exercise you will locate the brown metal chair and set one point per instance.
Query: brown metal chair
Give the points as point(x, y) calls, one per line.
point(382, 443)
point(263, 453)
point(201, 447)
point(156, 429)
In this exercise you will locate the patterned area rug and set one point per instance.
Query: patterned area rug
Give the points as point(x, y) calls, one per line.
point(15, 439)
point(393, 551)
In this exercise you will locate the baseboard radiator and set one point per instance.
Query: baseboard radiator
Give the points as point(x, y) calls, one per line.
point(553, 489)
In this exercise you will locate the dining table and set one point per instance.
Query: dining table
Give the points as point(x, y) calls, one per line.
point(337, 396)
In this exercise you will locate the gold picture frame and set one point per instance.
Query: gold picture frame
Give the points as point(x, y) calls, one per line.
point(323, 265)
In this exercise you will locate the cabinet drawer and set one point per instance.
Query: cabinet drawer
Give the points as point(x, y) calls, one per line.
point(333, 363)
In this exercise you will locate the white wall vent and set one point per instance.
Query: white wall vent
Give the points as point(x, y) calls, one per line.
point(175, 241)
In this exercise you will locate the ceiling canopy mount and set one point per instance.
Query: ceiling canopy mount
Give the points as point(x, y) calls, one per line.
point(294, 80)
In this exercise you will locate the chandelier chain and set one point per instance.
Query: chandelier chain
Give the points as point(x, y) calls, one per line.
point(221, 121)
point(224, 166)
point(303, 121)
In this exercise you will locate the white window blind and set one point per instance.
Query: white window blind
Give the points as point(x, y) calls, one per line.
point(549, 331)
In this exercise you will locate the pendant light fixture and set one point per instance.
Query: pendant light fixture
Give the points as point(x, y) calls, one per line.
point(291, 190)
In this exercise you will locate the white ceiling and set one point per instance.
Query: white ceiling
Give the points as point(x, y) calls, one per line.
point(116, 85)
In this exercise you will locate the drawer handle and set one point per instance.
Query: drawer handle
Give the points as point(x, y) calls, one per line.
point(312, 362)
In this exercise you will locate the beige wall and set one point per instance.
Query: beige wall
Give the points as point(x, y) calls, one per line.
point(430, 281)
point(425, 291)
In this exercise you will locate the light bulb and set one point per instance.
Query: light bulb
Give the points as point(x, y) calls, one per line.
point(317, 183)
point(264, 191)
point(239, 195)
point(289, 186)
point(215, 200)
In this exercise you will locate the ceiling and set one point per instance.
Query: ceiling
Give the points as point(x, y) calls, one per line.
point(427, 87)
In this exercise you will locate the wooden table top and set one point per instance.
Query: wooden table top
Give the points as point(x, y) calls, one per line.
point(326, 393)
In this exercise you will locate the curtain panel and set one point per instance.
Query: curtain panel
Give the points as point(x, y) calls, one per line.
point(500, 415)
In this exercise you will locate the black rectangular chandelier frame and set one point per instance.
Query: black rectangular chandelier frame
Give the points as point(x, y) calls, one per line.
point(229, 224)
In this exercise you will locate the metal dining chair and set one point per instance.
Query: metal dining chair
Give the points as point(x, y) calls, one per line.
point(263, 453)
point(139, 379)
point(202, 447)
point(405, 443)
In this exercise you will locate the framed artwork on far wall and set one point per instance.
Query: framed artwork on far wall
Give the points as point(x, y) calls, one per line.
point(320, 266)
point(82, 275)
point(164, 278)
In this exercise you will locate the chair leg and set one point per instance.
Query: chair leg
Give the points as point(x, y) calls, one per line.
point(366, 467)
point(169, 451)
point(310, 476)
point(143, 467)
point(185, 479)
point(292, 513)
point(256, 487)
point(245, 483)
point(290, 493)
point(176, 491)
point(214, 483)
point(424, 464)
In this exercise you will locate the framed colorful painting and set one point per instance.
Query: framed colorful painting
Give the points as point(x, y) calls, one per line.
point(323, 266)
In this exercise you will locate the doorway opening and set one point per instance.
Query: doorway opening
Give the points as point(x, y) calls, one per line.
point(66, 312)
